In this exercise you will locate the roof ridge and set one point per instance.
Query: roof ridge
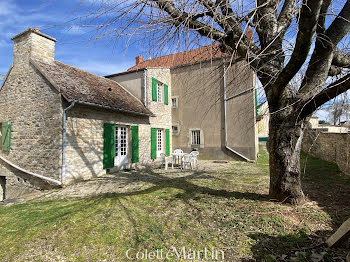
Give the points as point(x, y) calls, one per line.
point(180, 52)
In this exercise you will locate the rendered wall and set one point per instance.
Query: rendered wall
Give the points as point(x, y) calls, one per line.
point(200, 92)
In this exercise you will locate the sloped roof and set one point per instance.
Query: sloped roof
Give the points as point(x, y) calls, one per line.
point(78, 85)
point(183, 58)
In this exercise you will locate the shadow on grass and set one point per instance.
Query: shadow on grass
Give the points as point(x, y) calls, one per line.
point(297, 246)
point(325, 184)
point(190, 190)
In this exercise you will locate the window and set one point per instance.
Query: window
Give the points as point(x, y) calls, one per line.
point(174, 102)
point(175, 129)
point(159, 92)
point(159, 142)
point(196, 137)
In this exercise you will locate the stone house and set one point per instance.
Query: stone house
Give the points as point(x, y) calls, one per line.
point(60, 124)
point(212, 98)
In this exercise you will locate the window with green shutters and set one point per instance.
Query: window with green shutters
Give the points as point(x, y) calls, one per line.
point(153, 143)
point(157, 91)
point(6, 136)
point(167, 142)
point(108, 145)
point(135, 144)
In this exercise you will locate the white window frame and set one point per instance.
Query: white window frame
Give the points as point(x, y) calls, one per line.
point(159, 92)
point(121, 145)
point(195, 137)
point(159, 142)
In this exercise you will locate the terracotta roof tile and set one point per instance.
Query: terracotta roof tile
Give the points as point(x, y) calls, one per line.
point(79, 85)
point(183, 58)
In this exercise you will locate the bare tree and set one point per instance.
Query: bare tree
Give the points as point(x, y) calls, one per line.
point(289, 37)
point(338, 109)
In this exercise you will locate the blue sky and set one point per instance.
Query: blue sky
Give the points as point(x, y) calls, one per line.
point(52, 16)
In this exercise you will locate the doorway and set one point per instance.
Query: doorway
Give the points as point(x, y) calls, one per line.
point(121, 146)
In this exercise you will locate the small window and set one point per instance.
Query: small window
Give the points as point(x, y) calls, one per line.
point(174, 102)
point(196, 137)
point(175, 129)
point(159, 92)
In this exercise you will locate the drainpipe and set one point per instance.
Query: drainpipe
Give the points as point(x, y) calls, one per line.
point(225, 122)
point(63, 172)
point(145, 86)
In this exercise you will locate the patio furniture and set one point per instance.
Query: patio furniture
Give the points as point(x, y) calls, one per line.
point(166, 160)
point(187, 159)
point(195, 157)
point(177, 155)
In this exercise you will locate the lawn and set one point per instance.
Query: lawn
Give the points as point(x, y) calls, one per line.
point(224, 207)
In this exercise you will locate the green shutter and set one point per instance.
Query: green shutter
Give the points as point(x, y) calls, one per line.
point(153, 143)
point(135, 144)
point(165, 94)
point(6, 136)
point(154, 89)
point(256, 102)
point(108, 145)
point(167, 142)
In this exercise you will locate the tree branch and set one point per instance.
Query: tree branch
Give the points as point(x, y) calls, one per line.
point(340, 26)
point(183, 18)
point(327, 94)
point(307, 28)
point(286, 15)
point(341, 60)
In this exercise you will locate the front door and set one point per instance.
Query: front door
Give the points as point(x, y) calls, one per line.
point(121, 146)
point(159, 142)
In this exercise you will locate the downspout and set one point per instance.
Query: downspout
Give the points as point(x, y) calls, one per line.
point(225, 122)
point(63, 172)
point(145, 86)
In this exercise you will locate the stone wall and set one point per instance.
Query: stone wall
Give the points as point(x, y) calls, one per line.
point(329, 146)
point(84, 151)
point(33, 107)
point(161, 111)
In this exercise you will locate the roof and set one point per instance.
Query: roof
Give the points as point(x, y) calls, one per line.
point(81, 86)
point(188, 57)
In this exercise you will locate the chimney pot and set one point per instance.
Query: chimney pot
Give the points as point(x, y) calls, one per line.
point(37, 30)
point(139, 59)
point(249, 34)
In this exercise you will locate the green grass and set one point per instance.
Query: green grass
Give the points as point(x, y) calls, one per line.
point(226, 208)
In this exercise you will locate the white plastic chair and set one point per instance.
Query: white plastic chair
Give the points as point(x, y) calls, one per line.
point(166, 160)
point(187, 159)
point(178, 151)
point(177, 157)
point(195, 157)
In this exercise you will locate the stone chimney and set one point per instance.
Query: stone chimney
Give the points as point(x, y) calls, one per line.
point(32, 44)
point(139, 59)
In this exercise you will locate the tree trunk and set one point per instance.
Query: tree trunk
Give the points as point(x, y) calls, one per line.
point(285, 139)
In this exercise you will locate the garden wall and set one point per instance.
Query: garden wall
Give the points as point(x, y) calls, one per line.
point(332, 147)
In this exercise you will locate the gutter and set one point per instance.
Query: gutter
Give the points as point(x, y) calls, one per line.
point(64, 131)
point(31, 173)
point(225, 121)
